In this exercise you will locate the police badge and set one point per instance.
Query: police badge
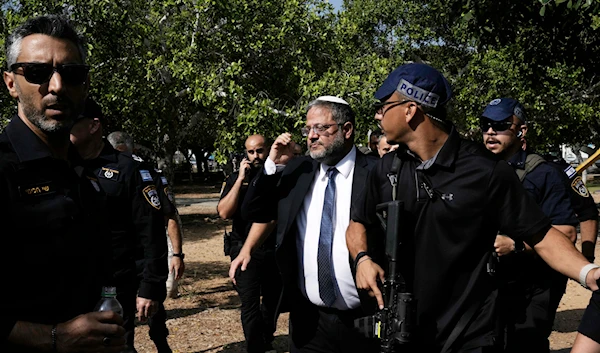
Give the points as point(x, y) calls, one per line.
point(579, 187)
point(151, 196)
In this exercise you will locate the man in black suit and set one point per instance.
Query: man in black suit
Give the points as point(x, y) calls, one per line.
point(311, 203)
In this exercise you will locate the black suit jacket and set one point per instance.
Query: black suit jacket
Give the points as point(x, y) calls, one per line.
point(280, 197)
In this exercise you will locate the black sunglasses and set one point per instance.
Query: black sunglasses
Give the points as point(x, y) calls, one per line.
point(40, 73)
point(378, 106)
point(486, 124)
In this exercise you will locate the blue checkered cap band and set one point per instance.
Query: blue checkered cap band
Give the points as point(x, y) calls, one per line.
point(420, 95)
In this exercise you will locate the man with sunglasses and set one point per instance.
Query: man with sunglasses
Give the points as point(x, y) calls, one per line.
point(56, 246)
point(311, 198)
point(260, 277)
point(535, 289)
point(134, 216)
point(456, 196)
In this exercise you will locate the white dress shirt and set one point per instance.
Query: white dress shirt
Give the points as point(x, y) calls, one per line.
point(309, 227)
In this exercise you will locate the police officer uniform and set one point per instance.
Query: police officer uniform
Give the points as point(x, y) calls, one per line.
point(582, 201)
point(536, 293)
point(134, 217)
point(260, 278)
point(453, 206)
point(157, 325)
point(542, 286)
point(55, 244)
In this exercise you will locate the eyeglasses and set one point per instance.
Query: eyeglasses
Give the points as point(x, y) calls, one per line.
point(319, 129)
point(40, 73)
point(486, 124)
point(378, 106)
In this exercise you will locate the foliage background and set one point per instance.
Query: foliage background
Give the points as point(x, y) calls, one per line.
point(203, 74)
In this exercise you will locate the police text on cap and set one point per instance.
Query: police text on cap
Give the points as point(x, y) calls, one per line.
point(417, 93)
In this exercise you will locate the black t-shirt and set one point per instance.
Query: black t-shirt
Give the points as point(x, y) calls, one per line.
point(56, 246)
point(454, 207)
point(241, 226)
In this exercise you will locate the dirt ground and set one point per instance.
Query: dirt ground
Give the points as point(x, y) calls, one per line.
point(205, 317)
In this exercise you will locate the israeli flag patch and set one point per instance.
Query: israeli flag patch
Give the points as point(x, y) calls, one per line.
point(145, 175)
point(570, 171)
point(164, 180)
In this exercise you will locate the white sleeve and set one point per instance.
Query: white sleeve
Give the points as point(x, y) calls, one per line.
point(271, 168)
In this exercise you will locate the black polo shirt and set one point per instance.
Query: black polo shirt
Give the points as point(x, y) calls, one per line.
point(454, 206)
point(55, 244)
point(135, 218)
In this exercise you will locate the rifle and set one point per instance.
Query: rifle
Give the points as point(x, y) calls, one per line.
point(395, 323)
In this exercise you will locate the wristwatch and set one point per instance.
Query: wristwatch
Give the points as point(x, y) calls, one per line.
point(182, 255)
point(519, 246)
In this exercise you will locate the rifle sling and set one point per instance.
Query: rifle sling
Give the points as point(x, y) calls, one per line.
point(394, 174)
point(462, 323)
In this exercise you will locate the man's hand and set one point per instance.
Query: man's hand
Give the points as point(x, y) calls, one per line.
point(282, 150)
point(241, 260)
point(178, 266)
point(367, 273)
point(504, 245)
point(145, 308)
point(244, 166)
point(91, 332)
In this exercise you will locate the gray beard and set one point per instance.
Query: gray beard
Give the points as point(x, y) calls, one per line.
point(48, 126)
point(332, 154)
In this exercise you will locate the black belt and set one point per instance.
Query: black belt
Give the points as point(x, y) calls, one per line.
point(345, 314)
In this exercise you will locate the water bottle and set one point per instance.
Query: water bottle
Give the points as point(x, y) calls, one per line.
point(109, 301)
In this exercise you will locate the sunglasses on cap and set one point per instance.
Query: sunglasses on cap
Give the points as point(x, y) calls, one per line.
point(485, 124)
point(40, 73)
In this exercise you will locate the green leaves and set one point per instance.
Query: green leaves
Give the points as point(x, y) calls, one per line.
point(205, 74)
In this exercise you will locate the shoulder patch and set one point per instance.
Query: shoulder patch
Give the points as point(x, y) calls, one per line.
point(579, 187)
point(146, 176)
point(151, 196)
point(164, 180)
point(109, 173)
point(570, 171)
point(169, 194)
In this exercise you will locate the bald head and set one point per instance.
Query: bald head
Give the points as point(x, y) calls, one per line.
point(256, 150)
point(121, 141)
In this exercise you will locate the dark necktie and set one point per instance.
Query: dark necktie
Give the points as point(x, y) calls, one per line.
point(324, 256)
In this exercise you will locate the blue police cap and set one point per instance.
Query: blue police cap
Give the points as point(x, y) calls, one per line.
point(502, 108)
point(420, 82)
